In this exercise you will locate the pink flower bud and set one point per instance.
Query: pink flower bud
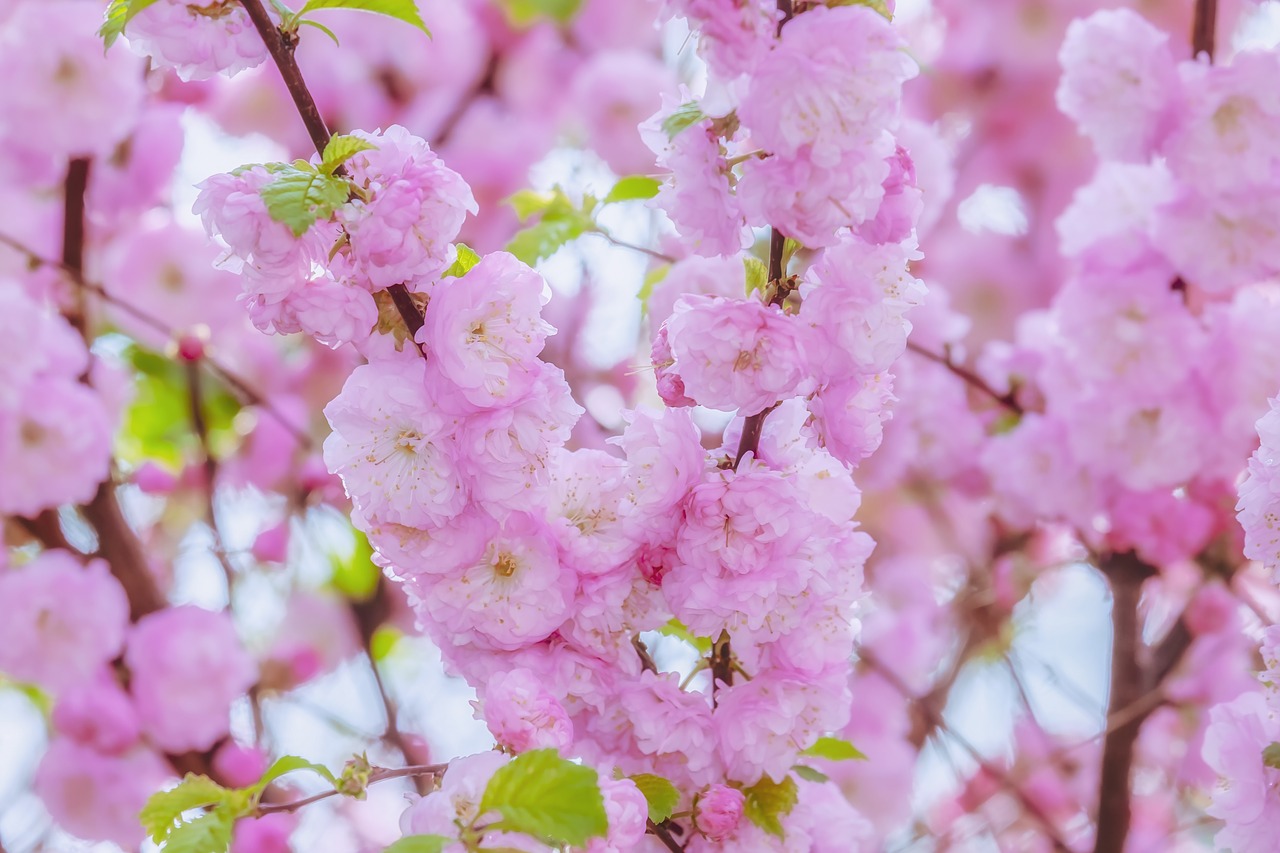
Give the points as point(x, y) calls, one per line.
point(719, 811)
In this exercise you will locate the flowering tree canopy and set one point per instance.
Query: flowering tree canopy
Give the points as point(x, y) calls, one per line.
point(613, 425)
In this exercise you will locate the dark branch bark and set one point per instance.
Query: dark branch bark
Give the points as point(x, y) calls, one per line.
point(117, 543)
point(1126, 574)
point(281, 47)
point(1009, 401)
point(1204, 28)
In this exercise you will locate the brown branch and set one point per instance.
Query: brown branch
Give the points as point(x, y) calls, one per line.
point(73, 232)
point(1126, 574)
point(661, 832)
point(281, 46)
point(370, 615)
point(117, 543)
point(379, 775)
point(247, 393)
point(1204, 28)
point(1009, 400)
point(939, 723)
point(209, 464)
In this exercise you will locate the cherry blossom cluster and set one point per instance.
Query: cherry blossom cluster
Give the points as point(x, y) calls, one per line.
point(63, 625)
point(397, 228)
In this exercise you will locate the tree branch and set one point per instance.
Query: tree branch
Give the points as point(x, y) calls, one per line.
point(1126, 574)
point(1204, 28)
point(380, 775)
point(281, 48)
point(1009, 400)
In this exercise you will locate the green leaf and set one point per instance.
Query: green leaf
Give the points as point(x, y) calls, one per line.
point(288, 764)
point(675, 628)
point(467, 258)
point(322, 28)
point(117, 17)
point(157, 422)
point(789, 248)
point(651, 279)
point(875, 5)
point(757, 274)
point(384, 641)
point(548, 797)
point(525, 12)
point(209, 833)
point(806, 772)
point(659, 793)
point(543, 240)
point(835, 749)
point(682, 118)
point(1271, 755)
point(164, 809)
point(301, 195)
point(767, 801)
point(402, 10)
point(354, 574)
point(420, 844)
point(340, 149)
point(528, 202)
point(633, 187)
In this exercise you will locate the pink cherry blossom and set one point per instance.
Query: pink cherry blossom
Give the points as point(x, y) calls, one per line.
point(416, 205)
point(522, 715)
point(737, 354)
point(197, 40)
point(187, 667)
point(60, 622)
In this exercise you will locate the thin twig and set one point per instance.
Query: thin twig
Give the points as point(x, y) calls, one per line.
point(281, 48)
point(248, 395)
point(209, 463)
point(939, 722)
point(1009, 400)
point(623, 244)
point(664, 835)
point(382, 774)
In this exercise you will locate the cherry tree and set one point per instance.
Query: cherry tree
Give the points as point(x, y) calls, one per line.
point(722, 395)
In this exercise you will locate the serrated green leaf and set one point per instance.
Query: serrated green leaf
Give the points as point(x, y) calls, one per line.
point(543, 240)
point(767, 801)
point(288, 764)
point(384, 641)
point(118, 16)
point(354, 574)
point(835, 749)
point(651, 280)
point(467, 258)
point(420, 844)
point(401, 10)
point(633, 187)
point(789, 248)
point(808, 773)
point(322, 28)
point(209, 833)
point(659, 793)
point(301, 195)
point(757, 274)
point(1271, 755)
point(548, 797)
point(528, 202)
point(163, 810)
point(521, 13)
point(157, 421)
point(340, 149)
point(682, 118)
point(675, 628)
